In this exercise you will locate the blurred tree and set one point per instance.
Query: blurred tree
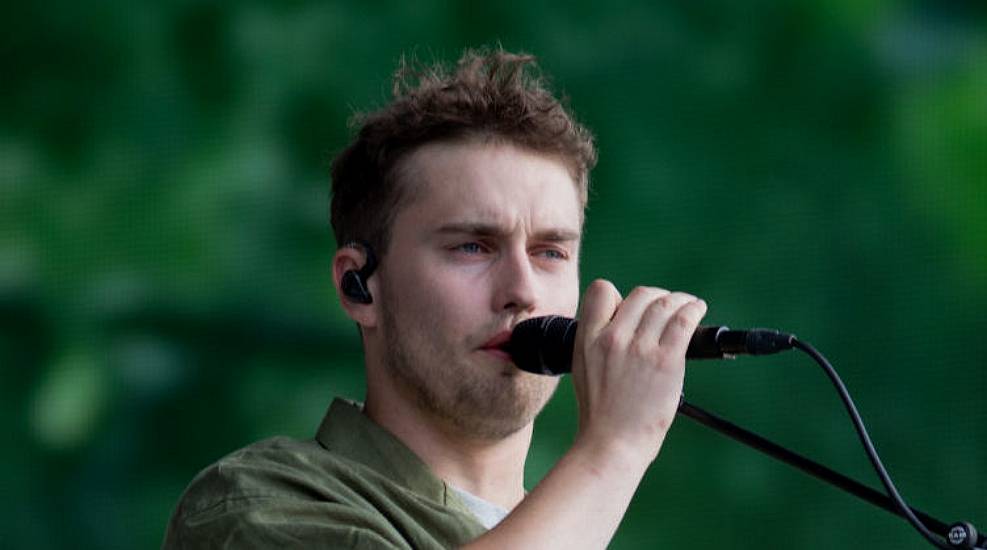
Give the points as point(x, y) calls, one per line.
point(164, 249)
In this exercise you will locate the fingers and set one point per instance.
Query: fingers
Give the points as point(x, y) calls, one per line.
point(629, 364)
point(658, 318)
point(649, 318)
point(599, 304)
point(629, 314)
point(681, 326)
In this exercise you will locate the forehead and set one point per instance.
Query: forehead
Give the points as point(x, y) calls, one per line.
point(490, 182)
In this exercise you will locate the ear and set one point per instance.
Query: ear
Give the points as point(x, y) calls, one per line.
point(352, 258)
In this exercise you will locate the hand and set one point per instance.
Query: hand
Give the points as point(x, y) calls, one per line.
point(629, 365)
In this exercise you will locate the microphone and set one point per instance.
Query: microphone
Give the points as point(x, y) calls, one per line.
point(543, 345)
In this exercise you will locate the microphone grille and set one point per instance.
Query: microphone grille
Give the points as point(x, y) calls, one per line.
point(543, 345)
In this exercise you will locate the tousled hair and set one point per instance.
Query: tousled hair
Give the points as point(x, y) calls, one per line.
point(491, 95)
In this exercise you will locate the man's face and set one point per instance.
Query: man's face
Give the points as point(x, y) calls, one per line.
point(489, 237)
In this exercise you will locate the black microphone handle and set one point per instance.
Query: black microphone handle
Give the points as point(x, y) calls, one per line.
point(543, 345)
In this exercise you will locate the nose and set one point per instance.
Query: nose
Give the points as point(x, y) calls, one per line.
point(515, 288)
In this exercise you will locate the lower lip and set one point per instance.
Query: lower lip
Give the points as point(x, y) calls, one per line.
point(499, 353)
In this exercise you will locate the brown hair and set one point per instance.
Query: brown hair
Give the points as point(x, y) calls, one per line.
point(489, 96)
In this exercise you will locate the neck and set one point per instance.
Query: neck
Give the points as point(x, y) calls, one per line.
point(492, 469)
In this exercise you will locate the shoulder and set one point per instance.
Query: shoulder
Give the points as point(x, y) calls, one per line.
point(275, 492)
point(279, 467)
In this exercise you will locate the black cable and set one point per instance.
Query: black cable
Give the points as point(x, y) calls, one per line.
point(875, 460)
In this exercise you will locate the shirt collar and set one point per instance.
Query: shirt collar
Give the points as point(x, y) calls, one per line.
point(349, 433)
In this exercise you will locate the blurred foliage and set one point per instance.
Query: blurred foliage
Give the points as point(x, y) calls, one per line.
point(818, 166)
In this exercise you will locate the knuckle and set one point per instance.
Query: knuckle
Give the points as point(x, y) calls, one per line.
point(683, 319)
point(663, 357)
point(609, 340)
point(654, 309)
point(639, 292)
point(642, 347)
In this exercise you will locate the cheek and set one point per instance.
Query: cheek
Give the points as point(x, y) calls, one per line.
point(571, 301)
point(456, 299)
point(435, 298)
point(561, 293)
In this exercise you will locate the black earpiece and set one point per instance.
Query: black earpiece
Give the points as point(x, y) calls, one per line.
point(354, 283)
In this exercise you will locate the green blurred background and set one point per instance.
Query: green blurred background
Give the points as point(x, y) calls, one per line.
point(817, 166)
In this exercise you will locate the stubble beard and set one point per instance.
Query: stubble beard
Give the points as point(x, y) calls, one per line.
point(490, 405)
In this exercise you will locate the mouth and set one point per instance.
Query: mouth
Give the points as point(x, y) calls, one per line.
point(499, 346)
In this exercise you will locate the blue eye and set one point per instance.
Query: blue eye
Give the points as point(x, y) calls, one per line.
point(553, 254)
point(470, 248)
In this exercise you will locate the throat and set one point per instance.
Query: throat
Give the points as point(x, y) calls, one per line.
point(490, 469)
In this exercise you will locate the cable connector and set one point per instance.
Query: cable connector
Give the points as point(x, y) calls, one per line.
point(962, 534)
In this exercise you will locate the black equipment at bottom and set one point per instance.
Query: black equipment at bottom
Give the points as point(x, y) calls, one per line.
point(544, 346)
point(958, 535)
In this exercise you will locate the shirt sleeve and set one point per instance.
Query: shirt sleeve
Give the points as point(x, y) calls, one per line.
point(261, 523)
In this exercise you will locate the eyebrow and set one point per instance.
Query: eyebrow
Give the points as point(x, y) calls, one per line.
point(489, 230)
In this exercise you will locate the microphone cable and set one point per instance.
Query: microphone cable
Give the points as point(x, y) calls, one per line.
point(965, 535)
point(543, 345)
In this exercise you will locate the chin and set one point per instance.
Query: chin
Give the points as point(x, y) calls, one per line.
point(499, 428)
point(506, 409)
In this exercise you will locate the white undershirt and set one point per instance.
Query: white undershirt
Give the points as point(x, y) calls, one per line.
point(488, 513)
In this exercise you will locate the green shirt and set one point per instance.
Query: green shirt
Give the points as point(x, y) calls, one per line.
point(353, 486)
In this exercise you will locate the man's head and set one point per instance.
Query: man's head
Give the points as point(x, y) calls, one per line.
point(471, 188)
point(488, 97)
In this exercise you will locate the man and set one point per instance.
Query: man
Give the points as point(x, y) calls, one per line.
point(459, 211)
